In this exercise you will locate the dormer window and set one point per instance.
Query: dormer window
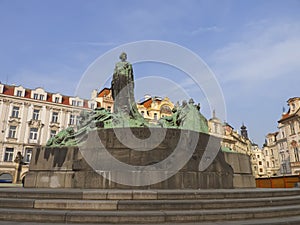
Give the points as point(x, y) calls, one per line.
point(76, 102)
point(19, 93)
point(35, 96)
point(39, 94)
point(56, 100)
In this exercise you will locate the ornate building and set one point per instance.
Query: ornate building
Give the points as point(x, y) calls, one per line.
point(271, 156)
point(104, 99)
point(231, 139)
point(28, 118)
point(288, 141)
point(154, 108)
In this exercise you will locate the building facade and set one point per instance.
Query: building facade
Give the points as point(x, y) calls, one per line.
point(28, 118)
point(289, 138)
point(271, 156)
point(154, 108)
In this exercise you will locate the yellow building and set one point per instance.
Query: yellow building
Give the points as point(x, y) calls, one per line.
point(154, 108)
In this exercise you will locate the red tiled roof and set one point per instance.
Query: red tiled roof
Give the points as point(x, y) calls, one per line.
point(147, 103)
point(104, 92)
point(9, 90)
point(27, 93)
point(288, 115)
point(49, 97)
point(65, 100)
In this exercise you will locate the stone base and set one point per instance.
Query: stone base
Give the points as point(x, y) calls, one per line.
point(65, 167)
point(240, 163)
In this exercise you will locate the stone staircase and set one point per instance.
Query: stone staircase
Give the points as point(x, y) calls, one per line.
point(89, 206)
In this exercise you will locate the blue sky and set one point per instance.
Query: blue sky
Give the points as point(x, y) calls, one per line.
point(253, 47)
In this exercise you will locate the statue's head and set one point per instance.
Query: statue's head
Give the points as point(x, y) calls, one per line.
point(123, 56)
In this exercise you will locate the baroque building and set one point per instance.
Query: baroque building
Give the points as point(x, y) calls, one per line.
point(154, 108)
point(232, 141)
point(271, 156)
point(289, 138)
point(28, 118)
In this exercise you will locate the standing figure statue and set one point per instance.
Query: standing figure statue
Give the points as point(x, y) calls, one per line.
point(122, 87)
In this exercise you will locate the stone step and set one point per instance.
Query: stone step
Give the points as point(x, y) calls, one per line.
point(131, 205)
point(292, 220)
point(90, 194)
point(144, 217)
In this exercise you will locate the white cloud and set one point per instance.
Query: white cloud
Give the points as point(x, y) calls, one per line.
point(201, 30)
point(262, 53)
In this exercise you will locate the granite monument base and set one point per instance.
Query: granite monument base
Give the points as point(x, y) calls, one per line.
point(68, 167)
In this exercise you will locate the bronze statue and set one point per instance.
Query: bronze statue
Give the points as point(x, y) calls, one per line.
point(122, 87)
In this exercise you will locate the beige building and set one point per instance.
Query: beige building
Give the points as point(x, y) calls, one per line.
point(258, 162)
point(271, 156)
point(28, 118)
point(104, 99)
point(231, 139)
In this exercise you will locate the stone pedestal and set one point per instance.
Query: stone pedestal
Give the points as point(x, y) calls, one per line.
point(65, 167)
point(242, 171)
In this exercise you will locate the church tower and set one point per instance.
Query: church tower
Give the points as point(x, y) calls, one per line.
point(244, 131)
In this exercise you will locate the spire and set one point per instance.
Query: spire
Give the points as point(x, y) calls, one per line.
point(214, 113)
point(244, 131)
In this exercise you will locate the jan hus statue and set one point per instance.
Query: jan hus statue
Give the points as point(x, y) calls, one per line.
point(122, 87)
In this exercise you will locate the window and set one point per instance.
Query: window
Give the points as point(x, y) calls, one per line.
point(52, 133)
point(260, 170)
point(281, 145)
point(42, 97)
point(28, 154)
point(260, 163)
point(266, 152)
point(258, 156)
point(292, 128)
point(19, 93)
point(9, 154)
point(216, 128)
point(268, 164)
point(35, 115)
point(15, 112)
point(272, 152)
point(155, 116)
point(273, 164)
point(282, 156)
point(73, 102)
point(54, 117)
point(143, 113)
point(109, 108)
point(284, 169)
point(35, 96)
point(12, 132)
point(33, 133)
point(93, 106)
point(56, 100)
point(296, 153)
point(283, 135)
point(72, 119)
